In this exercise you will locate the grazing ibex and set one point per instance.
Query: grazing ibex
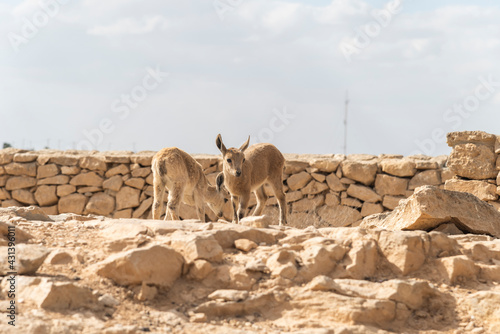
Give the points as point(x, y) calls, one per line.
point(246, 170)
point(184, 178)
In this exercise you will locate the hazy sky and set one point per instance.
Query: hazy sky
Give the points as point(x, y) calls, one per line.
point(142, 75)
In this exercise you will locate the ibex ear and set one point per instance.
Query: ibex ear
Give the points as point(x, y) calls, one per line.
point(219, 181)
point(220, 144)
point(245, 145)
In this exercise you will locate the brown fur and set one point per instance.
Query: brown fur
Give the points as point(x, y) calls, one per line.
point(255, 165)
point(183, 176)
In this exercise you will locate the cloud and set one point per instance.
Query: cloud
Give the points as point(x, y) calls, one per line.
point(131, 26)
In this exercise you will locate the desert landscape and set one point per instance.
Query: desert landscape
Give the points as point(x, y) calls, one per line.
point(373, 244)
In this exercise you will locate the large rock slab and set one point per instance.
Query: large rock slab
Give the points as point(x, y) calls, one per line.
point(430, 207)
point(155, 264)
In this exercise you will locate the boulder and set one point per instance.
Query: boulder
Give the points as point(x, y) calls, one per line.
point(154, 264)
point(430, 207)
point(28, 213)
point(29, 257)
point(195, 247)
point(56, 296)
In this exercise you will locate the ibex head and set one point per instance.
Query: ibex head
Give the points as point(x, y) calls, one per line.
point(233, 158)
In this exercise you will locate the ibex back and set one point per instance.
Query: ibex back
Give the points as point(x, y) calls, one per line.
point(246, 170)
point(183, 176)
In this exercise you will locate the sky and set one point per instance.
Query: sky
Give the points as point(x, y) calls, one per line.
point(143, 75)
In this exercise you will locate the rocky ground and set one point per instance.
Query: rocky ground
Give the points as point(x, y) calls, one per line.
point(94, 274)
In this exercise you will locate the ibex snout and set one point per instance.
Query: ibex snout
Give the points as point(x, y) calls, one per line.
point(238, 173)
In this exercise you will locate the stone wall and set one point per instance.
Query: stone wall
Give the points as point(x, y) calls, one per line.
point(322, 190)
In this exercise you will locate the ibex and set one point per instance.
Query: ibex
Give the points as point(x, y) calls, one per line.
point(184, 178)
point(246, 170)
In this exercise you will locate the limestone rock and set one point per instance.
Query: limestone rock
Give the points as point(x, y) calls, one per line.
point(93, 163)
point(398, 167)
point(57, 296)
point(390, 185)
point(46, 195)
point(427, 177)
point(473, 155)
point(16, 168)
point(228, 295)
point(135, 182)
point(59, 257)
point(28, 213)
point(456, 267)
point(65, 189)
point(245, 245)
point(29, 258)
point(127, 197)
point(47, 171)
point(73, 203)
point(58, 179)
point(429, 207)
point(391, 202)
point(334, 183)
point(101, 204)
point(120, 169)
point(371, 208)
point(195, 247)
point(113, 183)
point(404, 250)
point(361, 171)
point(327, 165)
point(154, 264)
point(90, 179)
point(298, 181)
point(23, 196)
point(314, 187)
point(20, 182)
point(282, 264)
point(481, 189)
point(363, 193)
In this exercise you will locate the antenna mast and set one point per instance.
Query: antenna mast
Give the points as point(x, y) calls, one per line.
point(345, 120)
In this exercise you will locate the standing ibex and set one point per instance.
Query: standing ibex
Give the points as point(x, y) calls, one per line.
point(247, 170)
point(184, 178)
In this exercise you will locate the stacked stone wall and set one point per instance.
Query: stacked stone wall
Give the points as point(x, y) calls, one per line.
point(322, 190)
